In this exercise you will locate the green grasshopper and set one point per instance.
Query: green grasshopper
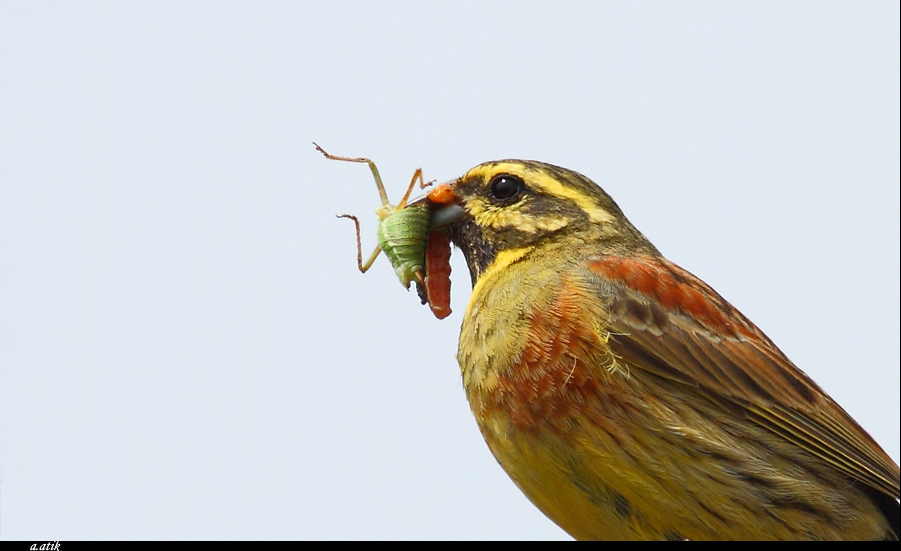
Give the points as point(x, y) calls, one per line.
point(402, 230)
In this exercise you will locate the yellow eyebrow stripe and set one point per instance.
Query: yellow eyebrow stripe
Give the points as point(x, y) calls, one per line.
point(542, 181)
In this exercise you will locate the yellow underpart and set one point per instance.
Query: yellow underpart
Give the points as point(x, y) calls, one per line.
point(503, 259)
point(487, 215)
point(546, 183)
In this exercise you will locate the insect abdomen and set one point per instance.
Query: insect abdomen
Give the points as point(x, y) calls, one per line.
point(402, 236)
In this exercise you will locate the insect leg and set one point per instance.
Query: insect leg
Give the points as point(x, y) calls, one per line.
point(375, 171)
point(363, 267)
point(422, 185)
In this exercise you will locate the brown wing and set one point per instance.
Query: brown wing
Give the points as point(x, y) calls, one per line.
point(668, 322)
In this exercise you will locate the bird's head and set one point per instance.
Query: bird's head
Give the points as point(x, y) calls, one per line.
point(514, 205)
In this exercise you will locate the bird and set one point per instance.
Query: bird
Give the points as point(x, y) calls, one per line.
point(624, 396)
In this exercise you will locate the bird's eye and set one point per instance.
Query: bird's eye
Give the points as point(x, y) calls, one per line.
point(505, 187)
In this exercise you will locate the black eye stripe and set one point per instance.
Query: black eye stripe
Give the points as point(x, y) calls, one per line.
point(505, 187)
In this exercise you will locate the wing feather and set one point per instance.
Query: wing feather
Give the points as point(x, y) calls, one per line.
point(709, 345)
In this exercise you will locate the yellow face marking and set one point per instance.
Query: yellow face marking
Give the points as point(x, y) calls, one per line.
point(544, 182)
point(490, 216)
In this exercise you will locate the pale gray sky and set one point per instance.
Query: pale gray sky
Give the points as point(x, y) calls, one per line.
point(186, 347)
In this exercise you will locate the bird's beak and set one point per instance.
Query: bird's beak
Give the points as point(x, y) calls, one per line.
point(444, 205)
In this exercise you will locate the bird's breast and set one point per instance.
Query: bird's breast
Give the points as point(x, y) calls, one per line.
point(545, 390)
point(533, 351)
